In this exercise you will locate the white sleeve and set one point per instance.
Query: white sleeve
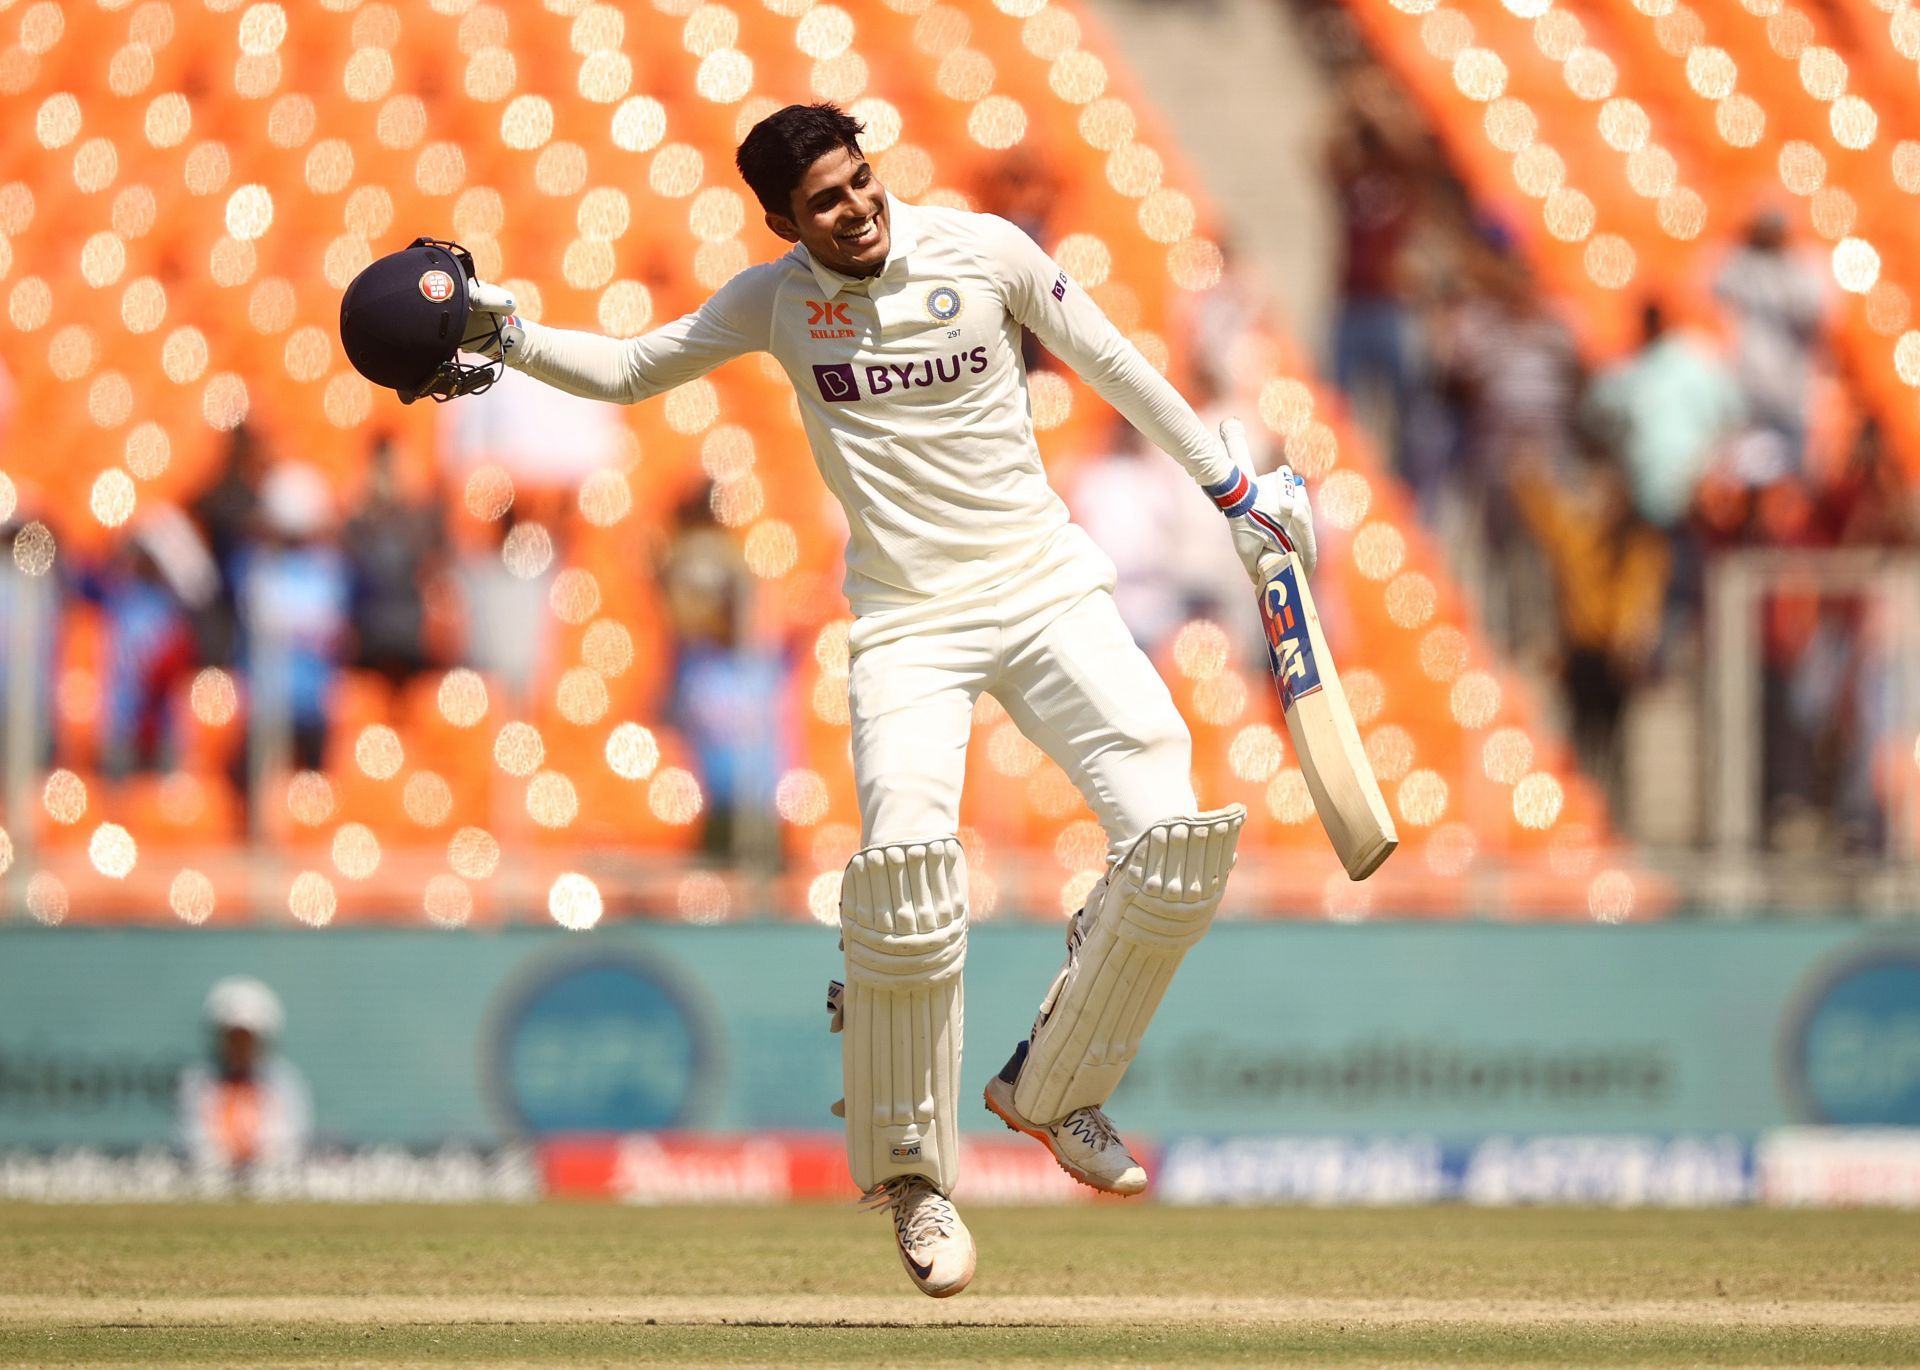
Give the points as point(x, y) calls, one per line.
point(737, 319)
point(1041, 296)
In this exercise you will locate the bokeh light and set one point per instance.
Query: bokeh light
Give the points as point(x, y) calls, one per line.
point(213, 697)
point(310, 798)
point(462, 697)
point(489, 492)
point(551, 800)
point(1537, 800)
point(574, 902)
point(674, 796)
point(518, 749)
point(631, 752)
point(64, 797)
point(356, 851)
point(378, 751)
point(1288, 798)
point(607, 647)
point(47, 900)
point(474, 853)
point(112, 851)
point(311, 899)
point(1610, 896)
point(191, 896)
point(427, 799)
point(527, 550)
point(447, 901)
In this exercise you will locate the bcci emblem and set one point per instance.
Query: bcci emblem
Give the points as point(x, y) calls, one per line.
point(437, 286)
point(943, 303)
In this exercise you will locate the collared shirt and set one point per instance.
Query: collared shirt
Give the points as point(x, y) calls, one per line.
point(913, 394)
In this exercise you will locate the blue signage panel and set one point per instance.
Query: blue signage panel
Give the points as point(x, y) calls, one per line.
point(1455, 1033)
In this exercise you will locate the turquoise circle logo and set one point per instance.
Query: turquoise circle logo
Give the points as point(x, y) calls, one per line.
point(608, 1044)
point(1852, 1051)
point(943, 303)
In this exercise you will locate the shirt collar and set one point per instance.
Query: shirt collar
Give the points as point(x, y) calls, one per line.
point(903, 239)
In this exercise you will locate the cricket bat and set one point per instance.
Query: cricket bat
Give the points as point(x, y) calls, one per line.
point(1345, 793)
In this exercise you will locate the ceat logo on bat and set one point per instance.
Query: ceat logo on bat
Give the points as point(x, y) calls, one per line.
point(1289, 650)
point(437, 286)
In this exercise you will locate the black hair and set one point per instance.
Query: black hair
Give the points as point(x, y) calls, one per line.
point(777, 151)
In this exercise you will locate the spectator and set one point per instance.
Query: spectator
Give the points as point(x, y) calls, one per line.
point(246, 1113)
point(726, 690)
point(509, 626)
point(1668, 410)
point(1022, 190)
point(1124, 501)
point(1517, 373)
point(1873, 502)
point(1515, 376)
point(149, 654)
point(292, 588)
point(1372, 163)
point(227, 512)
point(1776, 303)
point(1665, 409)
point(1609, 569)
point(392, 548)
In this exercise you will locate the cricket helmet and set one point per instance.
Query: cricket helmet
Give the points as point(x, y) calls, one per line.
point(402, 319)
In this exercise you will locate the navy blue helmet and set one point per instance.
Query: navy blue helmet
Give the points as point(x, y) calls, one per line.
point(402, 319)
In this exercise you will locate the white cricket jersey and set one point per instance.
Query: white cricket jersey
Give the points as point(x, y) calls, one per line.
point(913, 393)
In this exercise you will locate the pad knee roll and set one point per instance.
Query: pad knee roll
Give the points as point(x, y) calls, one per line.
point(1157, 901)
point(903, 924)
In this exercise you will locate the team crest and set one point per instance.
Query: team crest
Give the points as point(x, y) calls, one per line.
point(943, 303)
point(437, 286)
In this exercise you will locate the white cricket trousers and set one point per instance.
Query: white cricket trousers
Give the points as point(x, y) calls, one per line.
point(1071, 678)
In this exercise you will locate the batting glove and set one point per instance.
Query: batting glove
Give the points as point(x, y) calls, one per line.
point(493, 329)
point(1269, 517)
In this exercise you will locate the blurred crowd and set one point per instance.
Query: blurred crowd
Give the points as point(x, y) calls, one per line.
point(1585, 499)
point(286, 581)
point(262, 574)
point(1582, 500)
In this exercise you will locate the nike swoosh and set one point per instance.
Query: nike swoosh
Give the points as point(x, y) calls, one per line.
point(923, 1271)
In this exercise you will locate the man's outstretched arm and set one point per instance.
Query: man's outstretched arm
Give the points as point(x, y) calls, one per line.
point(624, 370)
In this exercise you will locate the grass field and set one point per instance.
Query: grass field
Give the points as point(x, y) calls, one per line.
point(1107, 1284)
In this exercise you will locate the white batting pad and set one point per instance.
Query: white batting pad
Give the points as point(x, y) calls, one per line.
point(1138, 923)
point(903, 923)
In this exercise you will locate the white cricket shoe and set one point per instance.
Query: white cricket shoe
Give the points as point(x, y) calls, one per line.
point(935, 1245)
point(1084, 1142)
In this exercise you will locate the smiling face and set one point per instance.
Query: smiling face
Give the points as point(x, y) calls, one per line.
point(839, 213)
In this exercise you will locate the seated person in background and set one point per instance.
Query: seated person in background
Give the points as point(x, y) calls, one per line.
point(247, 1111)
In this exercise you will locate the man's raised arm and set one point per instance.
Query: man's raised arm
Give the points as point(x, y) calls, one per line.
point(1265, 516)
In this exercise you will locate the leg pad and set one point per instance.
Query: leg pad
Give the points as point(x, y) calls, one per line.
point(1156, 901)
point(903, 925)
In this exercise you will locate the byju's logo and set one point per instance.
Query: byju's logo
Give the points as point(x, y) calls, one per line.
point(1851, 1050)
point(837, 383)
point(602, 1043)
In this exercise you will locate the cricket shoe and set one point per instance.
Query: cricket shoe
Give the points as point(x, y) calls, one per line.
point(935, 1245)
point(1084, 1142)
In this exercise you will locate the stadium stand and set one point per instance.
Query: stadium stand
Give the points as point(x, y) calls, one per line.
point(199, 187)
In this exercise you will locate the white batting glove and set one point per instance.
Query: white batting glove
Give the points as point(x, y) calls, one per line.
point(493, 329)
point(1269, 517)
